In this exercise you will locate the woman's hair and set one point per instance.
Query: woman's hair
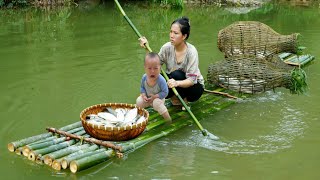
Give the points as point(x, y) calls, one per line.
point(184, 24)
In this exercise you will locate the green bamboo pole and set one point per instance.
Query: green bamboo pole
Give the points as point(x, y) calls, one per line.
point(49, 158)
point(19, 151)
point(40, 152)
point(14, 145)
point(86, 162)
point(87, 139)
point(65, 161)
point(204, 132)
point(51, 141)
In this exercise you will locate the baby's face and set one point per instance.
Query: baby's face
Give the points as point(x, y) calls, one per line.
point(152, 68)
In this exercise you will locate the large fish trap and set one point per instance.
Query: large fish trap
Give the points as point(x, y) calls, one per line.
point(249, 74)
point(255, 38)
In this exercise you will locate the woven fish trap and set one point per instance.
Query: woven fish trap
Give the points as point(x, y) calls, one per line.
point(249, 74)
point(255, 38)
point(103, 132)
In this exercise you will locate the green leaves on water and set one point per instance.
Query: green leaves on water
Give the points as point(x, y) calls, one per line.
point(298, 81)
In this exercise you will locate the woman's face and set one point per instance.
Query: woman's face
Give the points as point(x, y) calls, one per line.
point(176, 37)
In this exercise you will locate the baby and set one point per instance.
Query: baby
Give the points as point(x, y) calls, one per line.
point(153, 88)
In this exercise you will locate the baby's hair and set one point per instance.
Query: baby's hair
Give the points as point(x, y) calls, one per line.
point(152, 55)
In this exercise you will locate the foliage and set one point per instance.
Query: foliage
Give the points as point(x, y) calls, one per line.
point(175, 4)
point(298, 82)
point(13, 3)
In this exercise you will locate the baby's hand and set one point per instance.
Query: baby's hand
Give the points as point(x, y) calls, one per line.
point(152, 97)
point(145, 98)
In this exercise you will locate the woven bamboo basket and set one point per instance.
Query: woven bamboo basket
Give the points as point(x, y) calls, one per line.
point(113, 133)
point(255, 38)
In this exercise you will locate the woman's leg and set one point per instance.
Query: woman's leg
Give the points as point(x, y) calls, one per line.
point(194, 92)
point(177, 75)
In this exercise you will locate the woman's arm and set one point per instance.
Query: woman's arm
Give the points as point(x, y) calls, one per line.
point(180, 83)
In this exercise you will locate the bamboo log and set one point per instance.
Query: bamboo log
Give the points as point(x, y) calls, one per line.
point(14, 145)
point(63, 162)
point(49, 158)
point(221, 93)
point(33, 155)
point(91, 140)
point(66, 161)
point(18, 151)
point(86, 162)
point(47, 142)
point(40, 152)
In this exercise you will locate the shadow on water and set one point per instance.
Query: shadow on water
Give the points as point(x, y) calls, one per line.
point(281, 135)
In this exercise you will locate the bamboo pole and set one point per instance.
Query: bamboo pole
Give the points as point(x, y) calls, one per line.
point(66, 161)
point(14, 145)
point(221, 93)
point(92, 140)
point(33, 155)
point(49, 141)
point(49, 158)
point(204, 132)
point(84, 163)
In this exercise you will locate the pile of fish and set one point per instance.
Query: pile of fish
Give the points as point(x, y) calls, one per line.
point(242, 85)
point(116, 117)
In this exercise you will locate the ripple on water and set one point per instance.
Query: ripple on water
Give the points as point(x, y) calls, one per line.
point(281, 136)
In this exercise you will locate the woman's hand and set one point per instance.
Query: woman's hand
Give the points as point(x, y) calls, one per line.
point(143, 41)
point(172, 83)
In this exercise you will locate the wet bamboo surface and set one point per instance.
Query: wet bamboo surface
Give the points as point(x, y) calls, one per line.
point(62, 152)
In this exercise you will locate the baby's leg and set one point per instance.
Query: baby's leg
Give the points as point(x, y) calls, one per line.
point(140, 103)
point(158, 105)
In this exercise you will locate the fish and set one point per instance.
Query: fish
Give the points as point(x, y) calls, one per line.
point(124, 117)
point(140, 120)
point(120, 114)
point(130, 115)
point(108, 116)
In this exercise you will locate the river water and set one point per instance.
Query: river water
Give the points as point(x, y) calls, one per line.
point(55, 63)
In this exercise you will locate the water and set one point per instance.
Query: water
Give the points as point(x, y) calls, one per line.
point(56, 63)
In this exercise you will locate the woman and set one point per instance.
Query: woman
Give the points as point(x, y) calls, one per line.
point(182, 63)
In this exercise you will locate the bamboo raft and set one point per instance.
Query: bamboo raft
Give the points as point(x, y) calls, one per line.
point(70, 147)
point(296, 60)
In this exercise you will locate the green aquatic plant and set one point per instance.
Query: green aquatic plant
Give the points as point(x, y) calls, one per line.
point(298, 81)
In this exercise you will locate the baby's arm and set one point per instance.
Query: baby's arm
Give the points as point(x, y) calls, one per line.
point(163, 87)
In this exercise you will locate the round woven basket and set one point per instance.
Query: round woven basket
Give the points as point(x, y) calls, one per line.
point(113, 133)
